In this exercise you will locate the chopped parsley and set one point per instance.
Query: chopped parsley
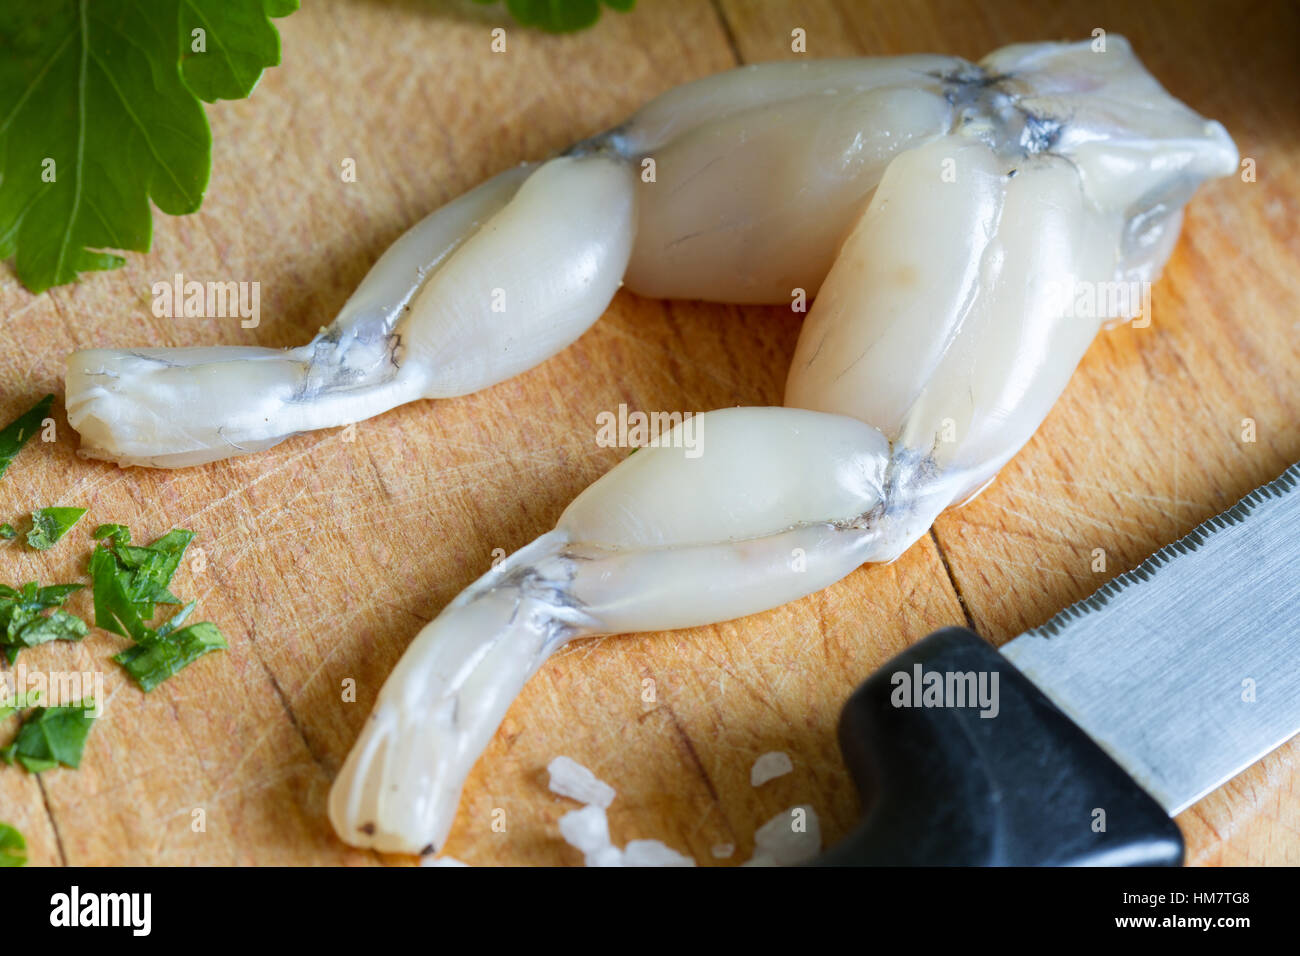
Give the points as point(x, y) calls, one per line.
point(130, 582)
point(7, 531)
point(13, 848)
point(115, 533)
point(50, 737)
point(51, 524)
point(24, 623)
point(152, 662)
point(17, 433)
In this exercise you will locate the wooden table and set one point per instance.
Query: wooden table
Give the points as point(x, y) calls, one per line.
point(325, 556)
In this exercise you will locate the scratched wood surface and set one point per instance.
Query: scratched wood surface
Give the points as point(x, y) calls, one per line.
point(324, 556)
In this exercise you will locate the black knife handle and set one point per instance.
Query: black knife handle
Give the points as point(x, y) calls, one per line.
point(943, 786)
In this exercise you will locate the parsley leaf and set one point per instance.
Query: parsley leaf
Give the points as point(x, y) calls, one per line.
point(23, 622)
point(129, 581)
point(100, 116)
point(8, 532)
point(16, 434)
point(13, 848)
point(51, 524)
point(560, 16)
point(51, 736)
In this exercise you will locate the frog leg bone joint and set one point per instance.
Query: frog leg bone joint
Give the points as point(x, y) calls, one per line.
point(943, 213)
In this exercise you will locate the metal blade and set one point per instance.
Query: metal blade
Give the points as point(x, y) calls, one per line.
point(1187, 668)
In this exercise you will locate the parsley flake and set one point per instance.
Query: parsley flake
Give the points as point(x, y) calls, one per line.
point(129, 582)
point(17, 433)
point(23, 622)
point(50, 737)
point(51, 524)
point(152, 662)
point(13, 848)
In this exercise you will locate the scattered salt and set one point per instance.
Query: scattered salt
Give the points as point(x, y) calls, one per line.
point(769, 767)
point(571, 779)
point(791, 837)
point(588, 829)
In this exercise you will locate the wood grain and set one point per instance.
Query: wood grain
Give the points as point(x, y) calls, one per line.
point(324, 556)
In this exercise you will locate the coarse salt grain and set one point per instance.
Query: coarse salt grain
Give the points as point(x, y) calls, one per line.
point(769, 767)
point(791, 837)
point(571, 779)
point(587, 829)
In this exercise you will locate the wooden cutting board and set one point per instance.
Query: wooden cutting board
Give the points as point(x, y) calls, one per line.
point(323, 557)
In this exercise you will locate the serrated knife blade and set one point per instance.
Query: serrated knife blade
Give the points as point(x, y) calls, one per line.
point(1186, 670)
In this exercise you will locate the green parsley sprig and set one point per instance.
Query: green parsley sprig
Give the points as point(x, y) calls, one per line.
point(101, 114)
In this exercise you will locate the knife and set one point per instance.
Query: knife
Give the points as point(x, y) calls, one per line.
point(1079, 740)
